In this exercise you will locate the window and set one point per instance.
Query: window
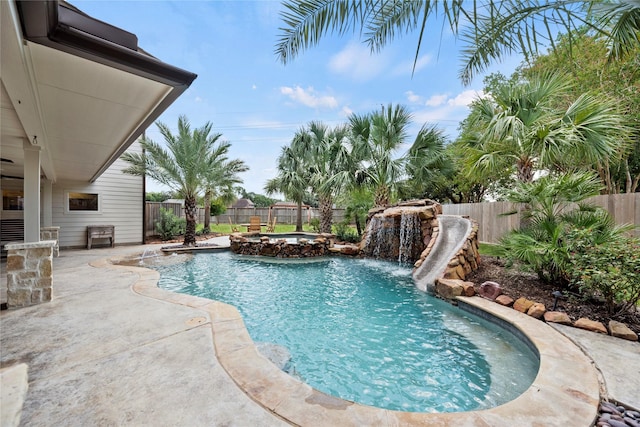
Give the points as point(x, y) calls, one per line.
point(12, 200)
point(83, 202)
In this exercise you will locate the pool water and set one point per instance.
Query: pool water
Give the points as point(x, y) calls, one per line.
point(358, 329)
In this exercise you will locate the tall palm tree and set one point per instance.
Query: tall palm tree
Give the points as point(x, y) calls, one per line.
point(183, 165)
point(329, 158)
point(489, 29)
point(520, 127)
point(293, 175)
point(376, 137)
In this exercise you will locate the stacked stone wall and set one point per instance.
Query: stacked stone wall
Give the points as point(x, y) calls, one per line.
point(390, 218)
point(29, 273)
point(305, 248)
point(466, 259)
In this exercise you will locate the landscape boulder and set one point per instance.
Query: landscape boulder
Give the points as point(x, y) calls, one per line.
point(620, 330)
point(536, 310)
point(522, 304)
point(449, 288)
point(557, 317)
point(590, 325)
point(505, 300)
point(490, 290)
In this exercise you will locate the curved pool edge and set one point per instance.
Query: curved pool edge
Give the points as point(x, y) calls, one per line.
point(566, 390)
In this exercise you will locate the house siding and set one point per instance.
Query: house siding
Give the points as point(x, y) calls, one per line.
point(121, 205)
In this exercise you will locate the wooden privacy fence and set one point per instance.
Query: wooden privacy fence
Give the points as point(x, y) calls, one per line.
point(625, 209)
point(237, 215)
point(152, 214)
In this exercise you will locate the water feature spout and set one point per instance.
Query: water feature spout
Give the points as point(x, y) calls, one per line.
point(148, 253)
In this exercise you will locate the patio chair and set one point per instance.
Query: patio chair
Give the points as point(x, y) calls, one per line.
point(234, 229)
point(271, 227)
point(254, 224)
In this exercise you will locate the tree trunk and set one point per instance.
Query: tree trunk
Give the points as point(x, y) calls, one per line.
point(190, 210)
point(299, 216)
point(358, 225)
point(326, 213)
point(207, 212)
point(525, 169)
point(382, 196)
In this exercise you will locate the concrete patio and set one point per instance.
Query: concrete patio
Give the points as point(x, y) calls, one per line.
point(113, 349)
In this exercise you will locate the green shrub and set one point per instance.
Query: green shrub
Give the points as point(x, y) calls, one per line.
point(315, 225)
point(610, 271)
point(553, 208)
point(346, 233)
point(169, 225)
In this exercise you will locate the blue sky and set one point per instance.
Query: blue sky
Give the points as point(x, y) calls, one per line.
point(257, 103)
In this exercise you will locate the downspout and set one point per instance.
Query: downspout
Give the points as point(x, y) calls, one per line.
point(144, 200)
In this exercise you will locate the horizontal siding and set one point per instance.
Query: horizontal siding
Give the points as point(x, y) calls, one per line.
point(121, 202)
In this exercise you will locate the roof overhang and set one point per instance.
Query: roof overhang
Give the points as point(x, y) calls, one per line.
point(77, 88)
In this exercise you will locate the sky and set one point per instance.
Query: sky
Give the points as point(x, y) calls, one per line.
point(258, 104)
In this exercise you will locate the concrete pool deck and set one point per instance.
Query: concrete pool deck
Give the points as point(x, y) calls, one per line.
point(113, 349)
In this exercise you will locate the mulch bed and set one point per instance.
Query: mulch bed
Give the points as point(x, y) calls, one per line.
point(516, 284)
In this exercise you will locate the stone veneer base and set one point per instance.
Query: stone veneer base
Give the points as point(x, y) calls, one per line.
point(565, 391)
point(29, 273)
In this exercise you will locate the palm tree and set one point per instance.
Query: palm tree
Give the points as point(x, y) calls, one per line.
point(329, 161)
point(376, 137)
point(489, 29)
point(189, 158)
point(555, 207)
point(293, 175)
point(520, 127)
point(427, 161)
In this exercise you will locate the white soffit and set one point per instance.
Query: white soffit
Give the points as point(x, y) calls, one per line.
point(88, 109)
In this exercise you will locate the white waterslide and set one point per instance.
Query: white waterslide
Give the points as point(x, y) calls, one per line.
point(453, 231)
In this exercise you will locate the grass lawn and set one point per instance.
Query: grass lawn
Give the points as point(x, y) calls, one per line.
point(489, 249)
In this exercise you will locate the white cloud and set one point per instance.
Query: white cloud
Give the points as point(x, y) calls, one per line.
point(346, 111)
point(198, 99)
point(406, 67)
point(437, 100)
point(412, 97)
point(309, 97)
point(254, 87)
point(357, 62)
point(465, 98)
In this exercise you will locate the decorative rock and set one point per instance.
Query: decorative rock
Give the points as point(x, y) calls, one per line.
point(350, 250)
point(590, 325)
point(557, 317)
point(449, 289)
point(522, 304)
point(616, 423)
point(536, 310)
point(490, 290)
point(468, 289)
point(505, 300)
point(621, 330)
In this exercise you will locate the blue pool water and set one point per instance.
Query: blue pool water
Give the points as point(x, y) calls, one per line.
point(360, 330)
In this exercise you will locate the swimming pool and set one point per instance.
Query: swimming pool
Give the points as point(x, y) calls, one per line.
point(359, 330)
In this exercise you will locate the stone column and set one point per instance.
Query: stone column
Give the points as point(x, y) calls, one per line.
point(51, 233)
point(29, 273)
